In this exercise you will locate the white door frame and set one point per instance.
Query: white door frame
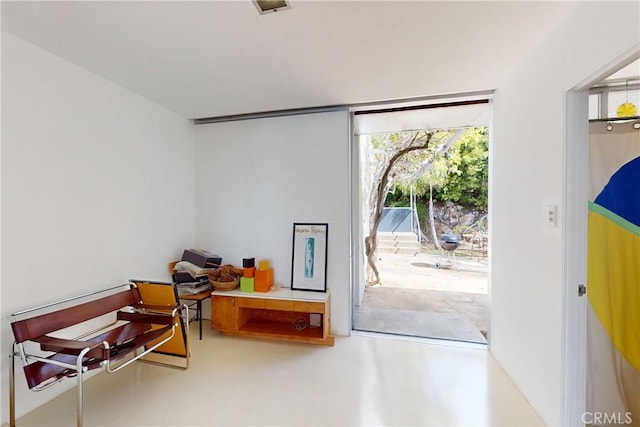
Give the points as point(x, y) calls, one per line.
point(576, 176)
point(575, 255)
point(357, 259)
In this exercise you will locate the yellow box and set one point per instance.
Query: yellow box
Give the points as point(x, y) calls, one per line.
point(263, 265)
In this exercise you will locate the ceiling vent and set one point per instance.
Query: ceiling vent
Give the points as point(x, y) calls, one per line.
point(267, 6)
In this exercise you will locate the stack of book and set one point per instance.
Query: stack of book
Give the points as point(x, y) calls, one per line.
point(191, 273)
point(192, 288)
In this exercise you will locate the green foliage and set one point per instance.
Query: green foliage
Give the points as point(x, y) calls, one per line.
point(459, 175)
point(423, 216)
point(467, 177)
point(397, 198)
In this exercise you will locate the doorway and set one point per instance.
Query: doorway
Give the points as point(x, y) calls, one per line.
point(580, 107)
point(421, 285)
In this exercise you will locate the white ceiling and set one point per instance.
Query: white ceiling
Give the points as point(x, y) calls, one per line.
point(215, 58)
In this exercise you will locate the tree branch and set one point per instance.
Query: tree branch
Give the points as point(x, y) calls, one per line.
point(371, 241)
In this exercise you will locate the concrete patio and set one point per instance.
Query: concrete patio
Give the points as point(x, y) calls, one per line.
point(417, 298)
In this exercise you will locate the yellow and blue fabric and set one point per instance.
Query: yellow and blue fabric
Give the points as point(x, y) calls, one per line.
point(613, 274)
point(614, 260)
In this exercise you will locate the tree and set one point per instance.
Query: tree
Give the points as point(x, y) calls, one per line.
point(397, 157)
point(459, 174)
point(466, 180)
point(456, 169)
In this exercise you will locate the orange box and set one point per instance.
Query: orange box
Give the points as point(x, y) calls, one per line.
point(264, 280)
point(248, 272)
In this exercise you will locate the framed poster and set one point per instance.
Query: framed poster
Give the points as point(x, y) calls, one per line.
point(309, 258)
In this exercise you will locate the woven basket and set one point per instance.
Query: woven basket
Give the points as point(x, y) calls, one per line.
point(224, 286)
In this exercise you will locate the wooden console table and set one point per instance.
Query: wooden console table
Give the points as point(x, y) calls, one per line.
point(281, 313)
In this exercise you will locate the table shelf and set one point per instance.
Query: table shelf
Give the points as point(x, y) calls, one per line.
point(281, 314)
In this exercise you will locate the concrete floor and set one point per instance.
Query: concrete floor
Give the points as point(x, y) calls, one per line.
point(416, 298)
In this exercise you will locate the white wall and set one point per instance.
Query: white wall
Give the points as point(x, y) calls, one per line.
point(255, 178)
point(527, 175)
point(97, 187)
